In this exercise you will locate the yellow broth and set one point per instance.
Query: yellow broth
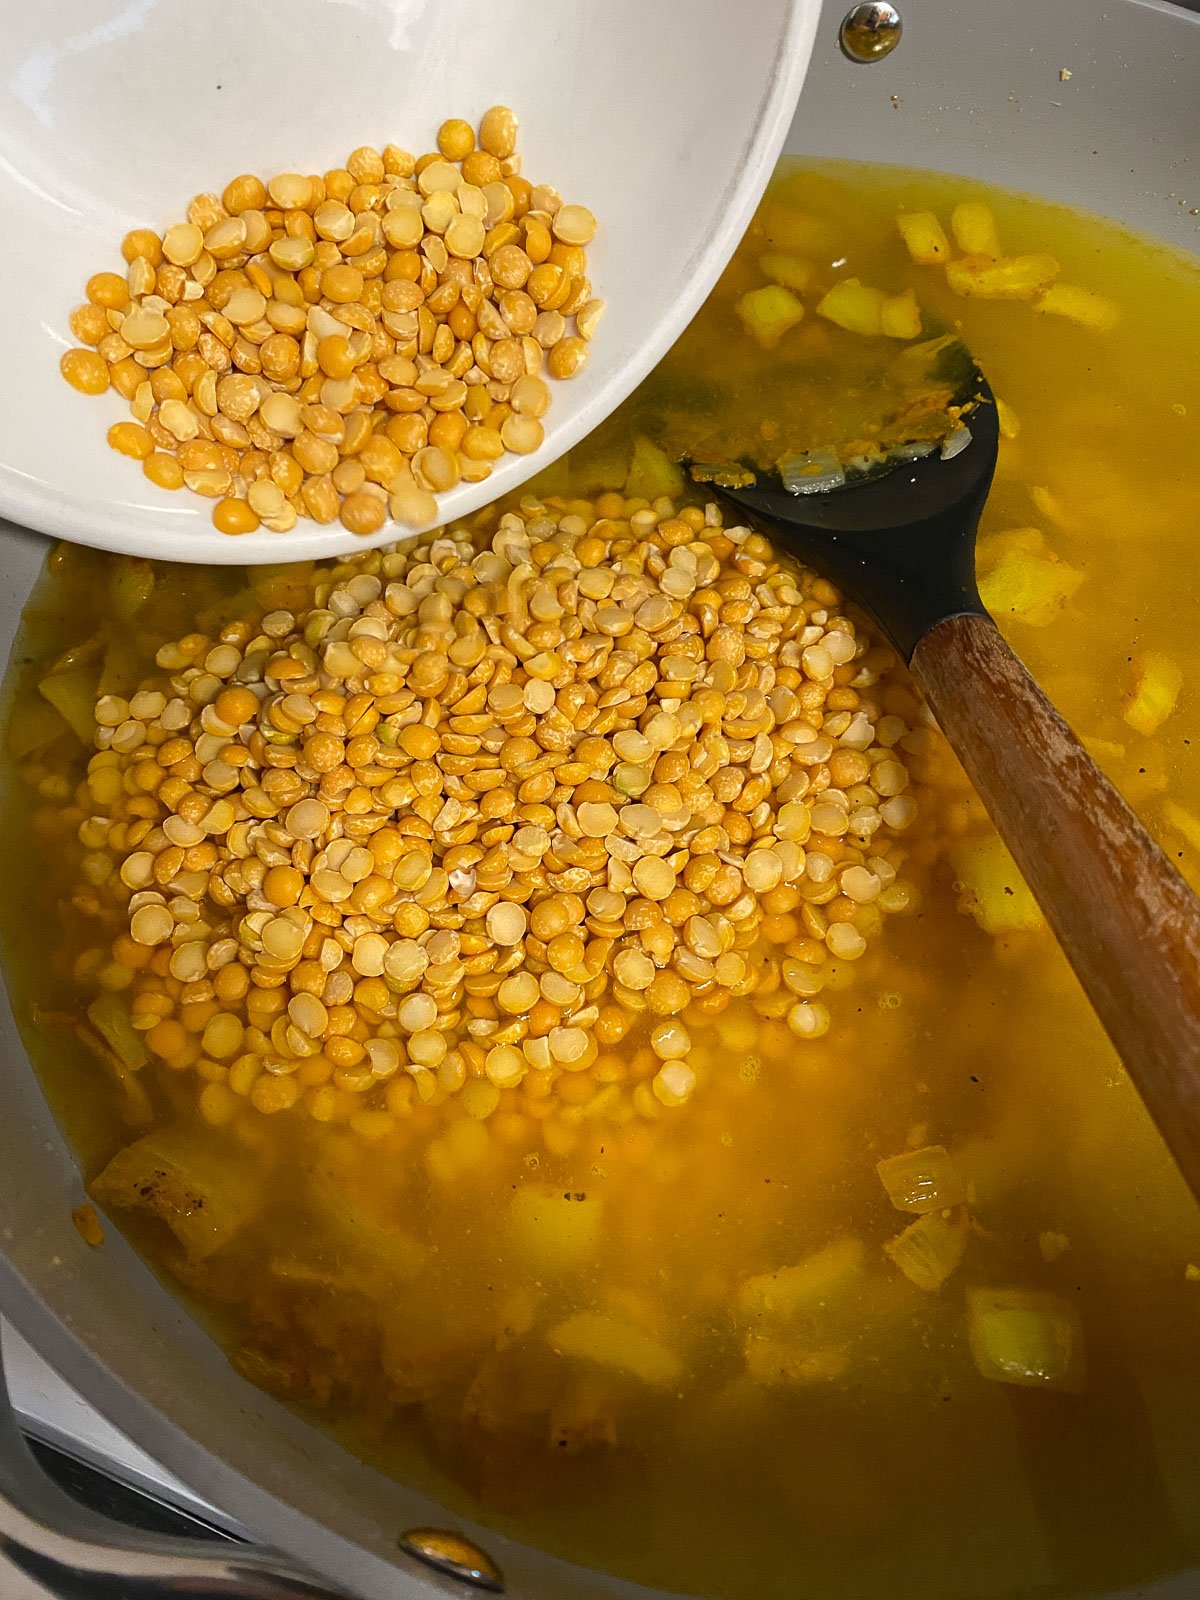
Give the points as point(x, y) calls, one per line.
point(407, 1304)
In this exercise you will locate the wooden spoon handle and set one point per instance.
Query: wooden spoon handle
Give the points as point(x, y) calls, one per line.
point(1129, 924)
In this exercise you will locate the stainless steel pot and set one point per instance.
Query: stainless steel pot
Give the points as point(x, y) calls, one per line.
point(973, 88)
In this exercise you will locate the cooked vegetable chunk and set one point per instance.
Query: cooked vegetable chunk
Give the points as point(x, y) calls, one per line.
point(1032, 1340)
point(204, 1190)
point(991, 889)
point(922, 1180)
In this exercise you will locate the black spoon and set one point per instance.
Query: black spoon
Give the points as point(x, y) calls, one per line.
point(901, 542)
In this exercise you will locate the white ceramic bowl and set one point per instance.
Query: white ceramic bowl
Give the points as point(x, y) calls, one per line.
point(664, 116)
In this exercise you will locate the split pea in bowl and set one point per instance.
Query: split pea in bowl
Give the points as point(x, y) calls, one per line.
point(666, 137)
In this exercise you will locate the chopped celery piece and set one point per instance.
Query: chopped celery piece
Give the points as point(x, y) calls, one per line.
point(110, 1018)
point(552, 1231)
point(73, 695)
point(789, 1290)
point(922, 1180)
point(929, 1249)
point(1032, 1340)
point(924, 237)
point(853, 306)
point(991, 889)
point(1017, 278)
point(974, 228)
point(768, 313)
point(652, 472)
point(617, 1344)
point(1029, 588)
point(1156, 684)
point(33, 723)
point(204, 1190)
point(792, 272)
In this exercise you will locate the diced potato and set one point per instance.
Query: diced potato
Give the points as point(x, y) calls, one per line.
point(795, 232)
point(990, 888)
point(1032, 1340)
point(929, 1249)
point(974, 228)
point(553, 1231)
point(1052, 1245)
point(652, 472)
point(793, 272)
point(600, 462)
point(618, 1345)
point(991, 548)
point(1017, 278)
point(1079, 305)
point(853, 306)
point(110, 1018)
point(1051, 506)
point(131, 585)
point(1010, 422)
point(73, 696)
point(924, 237)
point(123, 667)
point(584, 1418)
point(205, 1191)
point(358, 1223)
point(1029, 588)
point(900, 316)
point(922, 1180)
point(1157, 681)
point(1102, 749)
point(783, 1293)
point(768, 313)
point(32, 724)
point(775, 1361)
point(1185, 822)
point(551, 480)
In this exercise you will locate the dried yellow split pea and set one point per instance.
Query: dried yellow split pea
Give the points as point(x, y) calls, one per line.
point(345, 346)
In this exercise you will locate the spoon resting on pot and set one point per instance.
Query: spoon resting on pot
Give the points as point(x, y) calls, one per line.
point(900, 541)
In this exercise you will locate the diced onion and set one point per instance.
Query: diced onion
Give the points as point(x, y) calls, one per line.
point(956, 441)
point(922, 1180)
point(812, 472)
point(929, 1249)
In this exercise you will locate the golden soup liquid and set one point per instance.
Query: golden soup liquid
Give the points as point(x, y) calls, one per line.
point(836, 1438)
